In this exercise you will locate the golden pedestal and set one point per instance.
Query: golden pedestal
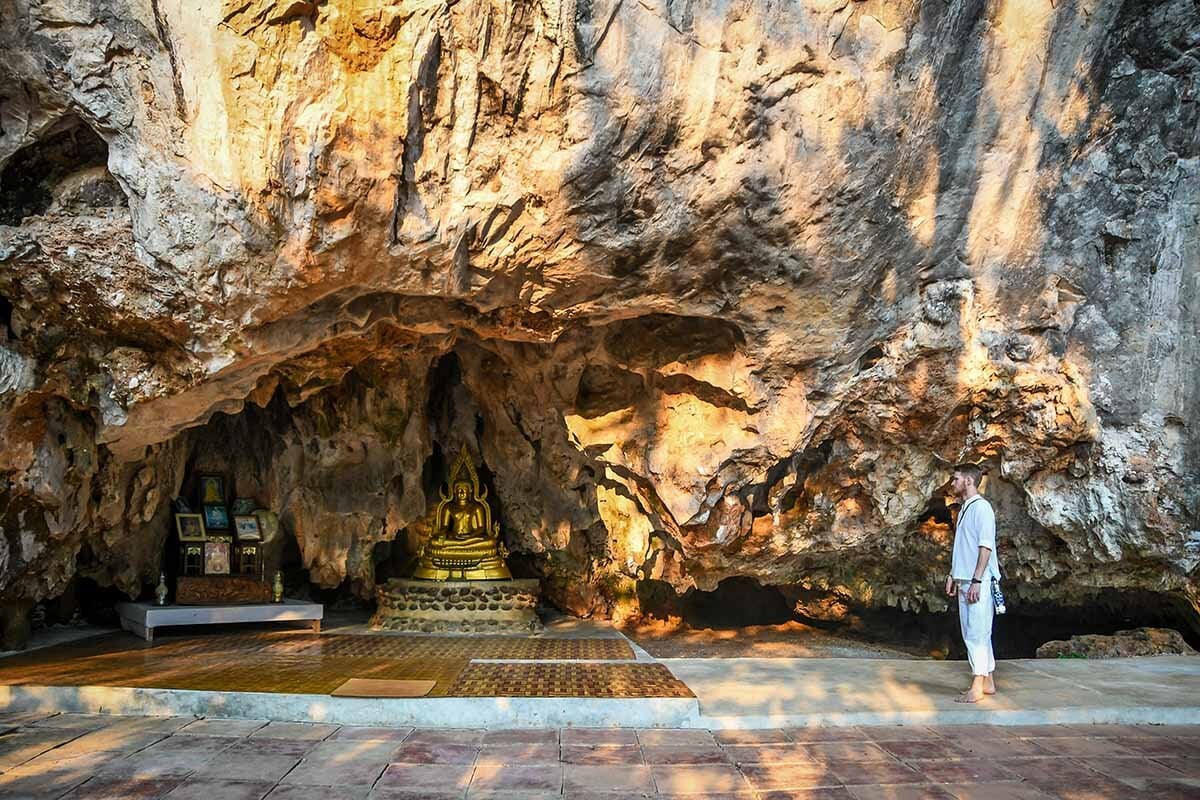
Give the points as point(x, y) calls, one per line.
point(436, 568)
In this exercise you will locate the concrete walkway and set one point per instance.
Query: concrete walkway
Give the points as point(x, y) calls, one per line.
point(772, 693)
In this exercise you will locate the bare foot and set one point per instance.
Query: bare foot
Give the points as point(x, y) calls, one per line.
point(985, 691)
point(968, 697)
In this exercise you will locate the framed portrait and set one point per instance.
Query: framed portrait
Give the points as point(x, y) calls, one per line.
point(243, 506)
point(216, 517)
point(246, 528)
point(216, 557)
point(212, 489)
point(190, 527)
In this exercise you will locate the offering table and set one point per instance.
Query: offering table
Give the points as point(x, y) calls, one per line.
point(143, 618)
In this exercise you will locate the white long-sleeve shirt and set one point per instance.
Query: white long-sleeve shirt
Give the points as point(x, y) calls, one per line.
point(976, 528)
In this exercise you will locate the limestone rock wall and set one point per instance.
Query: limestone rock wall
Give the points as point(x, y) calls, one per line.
point(728, 286)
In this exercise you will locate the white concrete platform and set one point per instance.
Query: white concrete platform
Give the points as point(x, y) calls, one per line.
point(799, 692)
point(423, 712)
point(143, 618)
point(731, 694)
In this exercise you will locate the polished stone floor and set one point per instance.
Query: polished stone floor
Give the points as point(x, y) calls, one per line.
point(284, 661)
point(98, 757)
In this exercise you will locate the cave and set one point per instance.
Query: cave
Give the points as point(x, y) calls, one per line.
point(783, 612)
point(735, 603)
point(6, 314)
point(65, 171)
point(348, 445)
point(713, 354)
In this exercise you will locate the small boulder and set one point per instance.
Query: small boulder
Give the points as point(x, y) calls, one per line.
point(1136, 642)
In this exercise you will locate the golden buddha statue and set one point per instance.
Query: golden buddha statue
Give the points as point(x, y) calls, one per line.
point(464, 543)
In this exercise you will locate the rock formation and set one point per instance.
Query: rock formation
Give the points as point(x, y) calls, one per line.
point(1122, 644)
point(713, 289)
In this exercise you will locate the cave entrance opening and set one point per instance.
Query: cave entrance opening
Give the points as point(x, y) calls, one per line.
point(342, 471)
point(741, 617)
point(66, 169)
point(7, 334)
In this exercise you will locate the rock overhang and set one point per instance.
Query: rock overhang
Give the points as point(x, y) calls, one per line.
point(900, 242)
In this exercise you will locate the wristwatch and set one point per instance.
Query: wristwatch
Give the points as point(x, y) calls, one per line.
point(976, 580)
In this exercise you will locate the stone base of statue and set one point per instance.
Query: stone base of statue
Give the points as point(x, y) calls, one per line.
point(457, 606)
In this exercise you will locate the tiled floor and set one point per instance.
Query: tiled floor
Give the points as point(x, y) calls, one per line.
point(299, 663)
point(82, 756)
point(310, 645)
point(568, 680)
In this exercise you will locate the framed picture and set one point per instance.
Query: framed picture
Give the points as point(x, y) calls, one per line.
point(192, 561)
point(249, 560)
point(243, 506)
point(212, 489)
point(216, 517)
point(190, 527)
point(216, 557)
point(246, 527)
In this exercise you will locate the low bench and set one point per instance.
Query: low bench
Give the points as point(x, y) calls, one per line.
point(142, 618)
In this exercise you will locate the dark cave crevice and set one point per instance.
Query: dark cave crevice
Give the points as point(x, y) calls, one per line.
point(758, 496)
point(740, 601)
point(604, 389)
point(84, 601)
point(658, 339)
point(736, 602)
point(67, 168)
point(1105, 611)
point(809, 460)
point(444, 377)
point(870, 357)
point(7, 334)
point(432, 471)
point(451, 410)
point(936, 511)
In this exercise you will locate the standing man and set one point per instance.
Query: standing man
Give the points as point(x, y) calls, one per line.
point(972, 569)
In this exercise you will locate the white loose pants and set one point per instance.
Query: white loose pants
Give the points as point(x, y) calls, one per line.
point(976, 622)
